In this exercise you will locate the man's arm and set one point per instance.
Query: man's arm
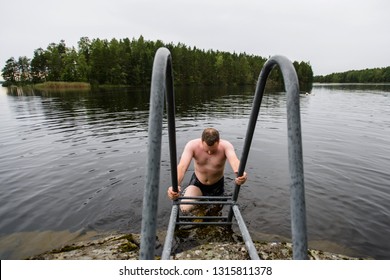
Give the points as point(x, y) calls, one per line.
point(231, 156)
point(234, 162)
point(185, 161)
point(182, 167)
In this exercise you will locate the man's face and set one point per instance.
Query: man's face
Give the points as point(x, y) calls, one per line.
point(210, 149)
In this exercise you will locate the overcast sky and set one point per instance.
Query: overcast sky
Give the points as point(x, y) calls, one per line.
point(333, 35)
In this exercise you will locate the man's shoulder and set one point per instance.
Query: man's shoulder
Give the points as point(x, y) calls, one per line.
point(193, 143)
point(225, 143)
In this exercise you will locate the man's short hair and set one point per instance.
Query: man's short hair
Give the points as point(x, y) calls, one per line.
point(210, 136)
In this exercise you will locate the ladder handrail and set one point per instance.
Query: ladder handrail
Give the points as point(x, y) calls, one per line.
point(162, 84)
point(297, 192)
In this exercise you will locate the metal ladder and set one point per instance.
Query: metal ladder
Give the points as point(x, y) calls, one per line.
point(162, 85)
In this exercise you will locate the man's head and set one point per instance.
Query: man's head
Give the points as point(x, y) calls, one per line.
point(210, 136)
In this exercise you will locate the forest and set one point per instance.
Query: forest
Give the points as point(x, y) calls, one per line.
point(375, 75)
point(129, 62)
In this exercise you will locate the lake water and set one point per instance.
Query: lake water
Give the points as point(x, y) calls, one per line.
point(72, 164)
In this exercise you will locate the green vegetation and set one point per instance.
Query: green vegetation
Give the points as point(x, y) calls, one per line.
point(130, 245)
point(375, 75)
point(63, 85)
point(129, 62)
point(66, 248)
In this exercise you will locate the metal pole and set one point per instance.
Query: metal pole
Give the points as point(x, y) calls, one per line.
point(297, 185)
point(245, 234)
point(171, 123)
point(170, 232)
point(162, 83)
point(259, 92)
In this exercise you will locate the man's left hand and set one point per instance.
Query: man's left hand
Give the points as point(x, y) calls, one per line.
point(241, 180)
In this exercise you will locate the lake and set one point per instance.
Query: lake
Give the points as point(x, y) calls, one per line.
point(72, 164)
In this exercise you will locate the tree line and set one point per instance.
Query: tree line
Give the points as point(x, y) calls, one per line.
point(374, 75)
point(129, 62)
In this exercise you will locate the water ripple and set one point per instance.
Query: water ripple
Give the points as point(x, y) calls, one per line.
point(77, 161)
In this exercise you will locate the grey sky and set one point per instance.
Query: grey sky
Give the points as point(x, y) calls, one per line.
point(333, 35)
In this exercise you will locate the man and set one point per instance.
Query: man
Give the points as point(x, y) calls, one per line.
point(209, 154)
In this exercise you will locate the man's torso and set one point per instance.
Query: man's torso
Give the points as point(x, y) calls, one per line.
point(209, 168)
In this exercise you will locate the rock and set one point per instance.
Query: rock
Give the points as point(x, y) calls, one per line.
point(126, 247)
point(112, 247)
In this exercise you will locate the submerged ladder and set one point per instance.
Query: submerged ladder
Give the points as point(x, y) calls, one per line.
point(162, 85)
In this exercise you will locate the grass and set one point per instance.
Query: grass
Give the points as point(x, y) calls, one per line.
point(63, 85)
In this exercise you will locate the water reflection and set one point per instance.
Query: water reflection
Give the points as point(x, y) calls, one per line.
point(75, 161)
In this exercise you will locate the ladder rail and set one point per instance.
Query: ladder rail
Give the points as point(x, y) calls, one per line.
point(295, 158)
point(161, 85)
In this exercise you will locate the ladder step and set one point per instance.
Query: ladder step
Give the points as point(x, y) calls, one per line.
point(204, 223)
point(206, 202)
point(205, 197)
point(203, 217)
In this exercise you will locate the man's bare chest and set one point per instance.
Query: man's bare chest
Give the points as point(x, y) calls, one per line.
point(210, 160)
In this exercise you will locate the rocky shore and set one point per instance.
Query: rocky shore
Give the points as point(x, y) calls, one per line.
point(126, 247)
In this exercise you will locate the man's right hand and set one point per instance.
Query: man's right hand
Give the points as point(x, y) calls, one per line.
point(173, 195)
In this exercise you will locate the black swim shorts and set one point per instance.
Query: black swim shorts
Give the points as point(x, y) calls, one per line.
point(216, 189)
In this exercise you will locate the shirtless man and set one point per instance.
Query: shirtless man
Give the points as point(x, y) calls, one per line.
point(209, 154)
